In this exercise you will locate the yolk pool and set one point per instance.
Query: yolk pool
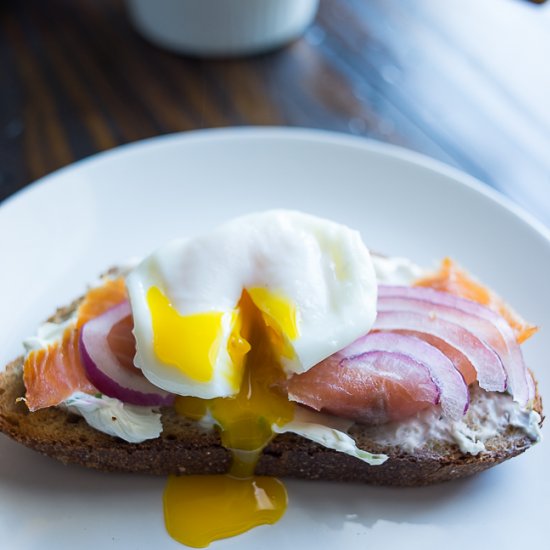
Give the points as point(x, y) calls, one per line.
point(201, 509)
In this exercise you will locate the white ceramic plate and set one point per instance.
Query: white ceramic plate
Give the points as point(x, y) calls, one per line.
point(59, 233)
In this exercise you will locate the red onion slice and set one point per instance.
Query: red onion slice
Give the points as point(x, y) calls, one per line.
point(112, 372)
point(460, 361)
point(482, 321)
point(490, 372)
point(374, 387)
point(454, 394)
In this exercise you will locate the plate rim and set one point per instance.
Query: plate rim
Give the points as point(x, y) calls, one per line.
point(285, 133)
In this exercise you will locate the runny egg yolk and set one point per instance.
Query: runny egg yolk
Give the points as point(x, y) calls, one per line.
point(201, 509)
point(186, 342)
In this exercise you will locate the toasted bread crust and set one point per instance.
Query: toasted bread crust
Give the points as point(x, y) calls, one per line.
point(185, 448)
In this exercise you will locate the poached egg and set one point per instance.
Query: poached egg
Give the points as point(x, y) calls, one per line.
point(312, 281)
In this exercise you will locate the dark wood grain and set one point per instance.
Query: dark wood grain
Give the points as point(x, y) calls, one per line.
point(463, 81)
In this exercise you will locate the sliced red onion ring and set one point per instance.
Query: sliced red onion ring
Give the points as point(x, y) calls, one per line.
point(374, 387)
point(460, 361)
point(454, 394)
point(109, 372)
point(490, 372)
point(488, 325)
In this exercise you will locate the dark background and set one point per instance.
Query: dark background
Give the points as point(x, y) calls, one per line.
point(464, 81)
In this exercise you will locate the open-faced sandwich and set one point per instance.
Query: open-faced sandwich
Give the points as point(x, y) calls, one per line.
point(276, 345)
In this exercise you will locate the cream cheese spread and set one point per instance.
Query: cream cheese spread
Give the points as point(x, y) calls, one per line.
point(396, 271)
point(47, 334)
point(489, 415)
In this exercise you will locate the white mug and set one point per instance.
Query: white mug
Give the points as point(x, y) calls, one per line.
point(221, 27)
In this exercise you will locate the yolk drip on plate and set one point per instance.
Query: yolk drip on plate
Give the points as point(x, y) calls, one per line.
point(201, 509)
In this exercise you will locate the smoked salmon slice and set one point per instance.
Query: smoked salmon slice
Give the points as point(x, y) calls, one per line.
point(373, 388)
point(54, 373)
point(101, 298)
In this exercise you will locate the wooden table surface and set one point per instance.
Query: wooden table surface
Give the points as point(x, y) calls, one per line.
point(464, 81)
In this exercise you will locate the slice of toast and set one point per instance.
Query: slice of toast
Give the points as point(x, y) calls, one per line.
point(186, 448)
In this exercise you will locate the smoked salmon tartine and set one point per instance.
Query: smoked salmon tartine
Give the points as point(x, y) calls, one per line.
point(278, 344)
